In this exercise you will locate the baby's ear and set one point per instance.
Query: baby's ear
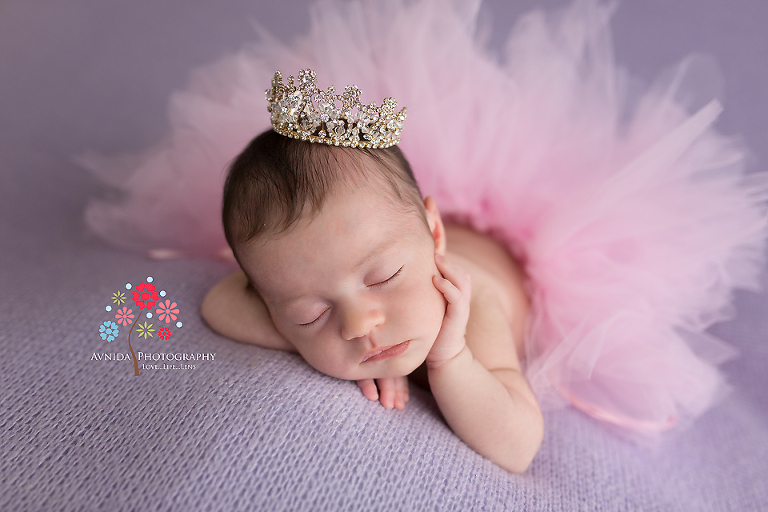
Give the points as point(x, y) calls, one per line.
point(435, 224)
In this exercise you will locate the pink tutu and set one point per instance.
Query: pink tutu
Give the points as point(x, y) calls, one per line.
point(633, 217)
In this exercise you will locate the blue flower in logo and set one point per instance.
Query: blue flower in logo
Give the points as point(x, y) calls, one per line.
point(108, 331)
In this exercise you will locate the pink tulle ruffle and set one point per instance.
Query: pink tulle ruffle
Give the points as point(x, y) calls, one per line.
point(632, 215)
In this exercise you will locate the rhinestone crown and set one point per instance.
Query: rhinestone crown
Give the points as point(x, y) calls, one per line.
point(307, 113)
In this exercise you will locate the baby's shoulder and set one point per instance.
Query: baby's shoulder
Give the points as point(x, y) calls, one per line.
point(498, 288)
point(493, 269)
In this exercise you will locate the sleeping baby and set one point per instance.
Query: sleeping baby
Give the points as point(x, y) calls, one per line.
point(343, 262)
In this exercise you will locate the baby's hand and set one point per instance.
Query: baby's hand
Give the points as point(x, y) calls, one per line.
point(392, 391)
point(456, 287)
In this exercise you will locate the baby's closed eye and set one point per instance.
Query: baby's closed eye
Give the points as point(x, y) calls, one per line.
point(373, 286)
point(390, 278)
point(316, 319)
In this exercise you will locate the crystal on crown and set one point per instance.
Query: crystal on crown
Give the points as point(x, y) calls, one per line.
point(307, 113)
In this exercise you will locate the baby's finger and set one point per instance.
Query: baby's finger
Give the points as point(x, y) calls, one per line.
point(368, 387)
point(453, 272)
point(387, 392)
point(401, 395)
point(448, 289)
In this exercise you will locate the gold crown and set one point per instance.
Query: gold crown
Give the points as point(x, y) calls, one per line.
point(307, 113)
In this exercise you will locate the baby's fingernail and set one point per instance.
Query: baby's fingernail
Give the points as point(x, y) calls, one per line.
point(439, 257)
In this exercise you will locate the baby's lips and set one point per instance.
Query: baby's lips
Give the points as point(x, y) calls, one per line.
point(386, 352)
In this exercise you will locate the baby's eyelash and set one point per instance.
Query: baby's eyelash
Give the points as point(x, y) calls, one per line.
point(387, 280)
point(376, 285)
point(309, 324)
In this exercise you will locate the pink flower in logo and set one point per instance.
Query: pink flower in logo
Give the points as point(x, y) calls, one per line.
point(167, 311)
point(164, 333)
point(124, 316)
point(143, 293)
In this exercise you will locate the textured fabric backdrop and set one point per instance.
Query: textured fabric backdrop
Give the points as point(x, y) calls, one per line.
point(258, 430)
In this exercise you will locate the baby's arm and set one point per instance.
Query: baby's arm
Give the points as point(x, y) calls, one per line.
point(483, 396)
point(233, 309)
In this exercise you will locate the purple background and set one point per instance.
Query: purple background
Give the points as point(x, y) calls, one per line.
point(86, 74)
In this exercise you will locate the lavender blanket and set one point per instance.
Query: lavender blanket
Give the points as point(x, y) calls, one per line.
point(210, 424)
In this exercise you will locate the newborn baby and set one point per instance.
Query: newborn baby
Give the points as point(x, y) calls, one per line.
point(342, 262)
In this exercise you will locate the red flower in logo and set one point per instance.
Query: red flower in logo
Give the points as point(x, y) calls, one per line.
point(143, 293)
point(164, 333)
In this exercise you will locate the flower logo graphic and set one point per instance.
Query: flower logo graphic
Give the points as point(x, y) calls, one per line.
point(124, 316)
point(145, 330)
point(142, 295)
point(108, 331)
point(168, 311)
point(145, 297)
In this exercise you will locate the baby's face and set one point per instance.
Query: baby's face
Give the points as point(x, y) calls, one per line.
point(351, 282)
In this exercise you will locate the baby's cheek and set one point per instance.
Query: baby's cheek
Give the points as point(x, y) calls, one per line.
point(430, 309)
point(328, 361)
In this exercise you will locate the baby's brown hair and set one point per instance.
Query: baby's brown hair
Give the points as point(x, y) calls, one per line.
point(275, 178)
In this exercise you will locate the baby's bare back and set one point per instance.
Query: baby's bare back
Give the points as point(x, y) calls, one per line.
point(499, 300)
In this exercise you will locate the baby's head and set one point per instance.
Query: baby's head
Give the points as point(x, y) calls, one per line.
point(340, 246)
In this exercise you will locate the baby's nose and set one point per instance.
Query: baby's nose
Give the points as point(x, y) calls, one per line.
point(360, 321)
